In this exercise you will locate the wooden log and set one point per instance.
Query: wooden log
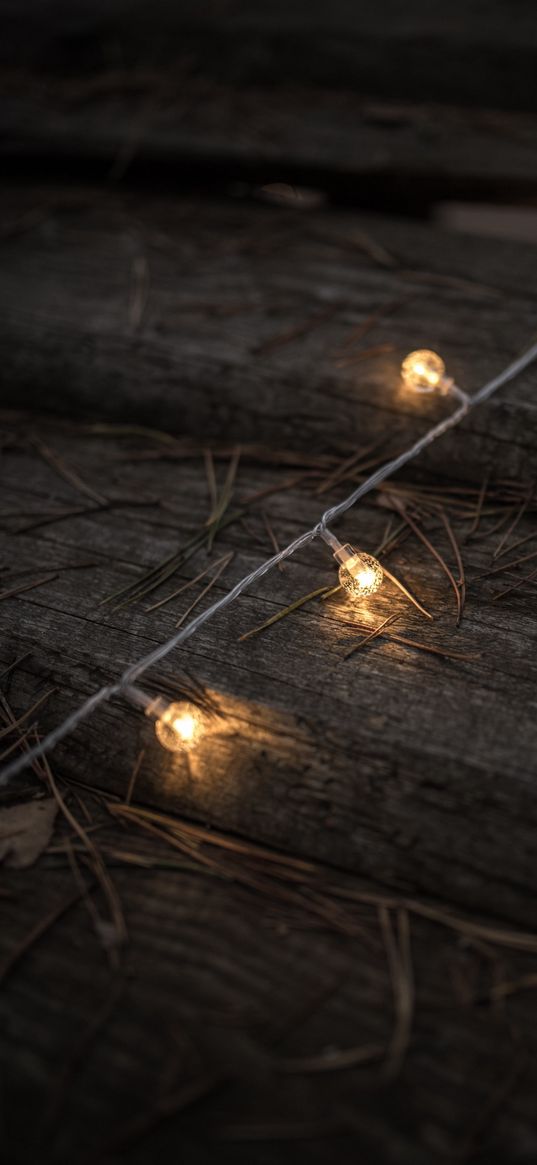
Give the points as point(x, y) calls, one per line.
point(253, 94)
point(396, 763)
point(385, 50)
point(225, 1032)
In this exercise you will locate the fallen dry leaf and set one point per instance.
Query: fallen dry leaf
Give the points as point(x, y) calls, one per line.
point(25, 831)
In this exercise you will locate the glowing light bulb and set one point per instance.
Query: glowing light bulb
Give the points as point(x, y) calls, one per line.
point(423, 371)
point(360, 574)
point(179, 726)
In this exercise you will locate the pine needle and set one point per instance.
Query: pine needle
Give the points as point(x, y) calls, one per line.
point(29, 586)
point(397, 582)
point(287, 611)
point(25, 716)
point(519, 514)
point(273, 540)
point(372, 635)
point(520, 583)
point(435, 553)
point(461, 581)
point(224, 562)
point(190, 583)
point(69, 475)
point(479, 507)
point(224, 499)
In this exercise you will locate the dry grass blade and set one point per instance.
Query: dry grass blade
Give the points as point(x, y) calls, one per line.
point(68, 474)
point(25, 715)
point(29, 586)
point(223, 564)
point(435, 553)
point(286, 611)
point(397, 583)
point(372, 635)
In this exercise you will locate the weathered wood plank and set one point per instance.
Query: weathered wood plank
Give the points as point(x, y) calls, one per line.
point(228, 988)
point(213, 286)
point(412, 770)
point(399, 51)
point(400, 765)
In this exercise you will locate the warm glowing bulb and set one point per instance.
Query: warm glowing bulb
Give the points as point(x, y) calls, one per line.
point(423, 371)
point(179, 726)
point(360, 574)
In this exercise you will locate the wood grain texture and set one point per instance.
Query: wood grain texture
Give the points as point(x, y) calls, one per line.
point(68, 344)
point(408, 771)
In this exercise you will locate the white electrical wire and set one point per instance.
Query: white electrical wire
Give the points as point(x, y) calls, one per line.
point(319, 531)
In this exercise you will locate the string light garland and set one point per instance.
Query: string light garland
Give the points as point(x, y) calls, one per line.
point(363, 570)
point(178, 726)
point(359, 573)
point(424, 371)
